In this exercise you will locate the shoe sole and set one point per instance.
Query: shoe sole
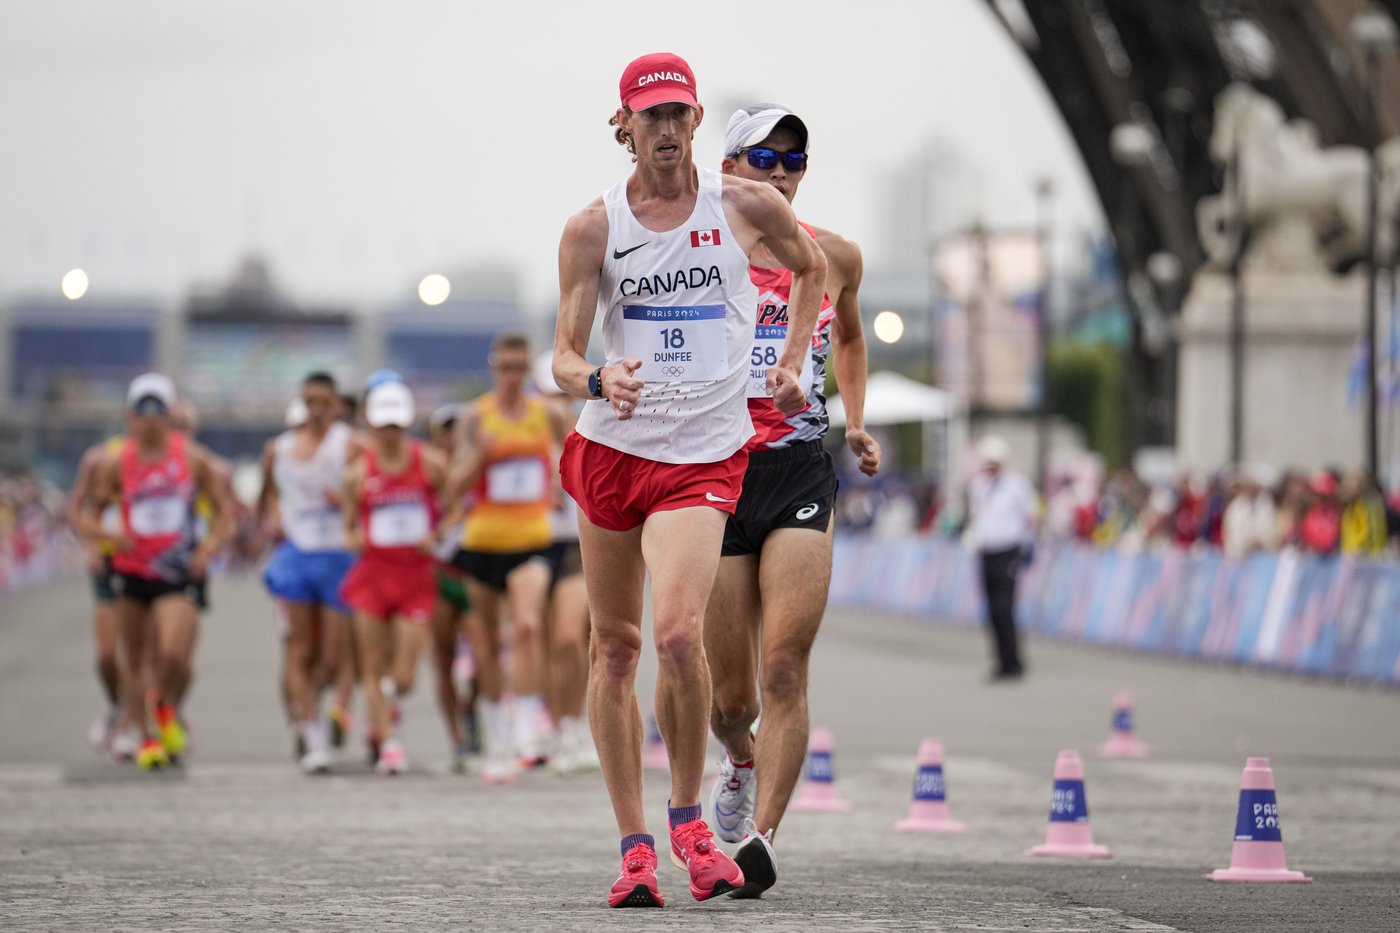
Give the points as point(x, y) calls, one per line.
point(700, 894)
point(641, 896)
point(759, 873)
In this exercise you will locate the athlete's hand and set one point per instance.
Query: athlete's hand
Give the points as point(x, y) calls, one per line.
point(199, 563)
point(122, 543)
point(355, 541)
point(866, 449)
point(622, 388)
point(428, 545)
point(96, 563)
point(787, 392)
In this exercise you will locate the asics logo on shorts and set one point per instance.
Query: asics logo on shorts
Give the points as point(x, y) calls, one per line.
point(714, 498)
point(807, 511)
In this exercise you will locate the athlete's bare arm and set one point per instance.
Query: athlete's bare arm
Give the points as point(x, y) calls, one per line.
point(214, 479)
point(465, 471)
point(765, 217)
point(350, 497)
point(844, 269)
point(435, 465)
point(580, 266)
point(106, 486)
point(83, 487)
point(267, 496)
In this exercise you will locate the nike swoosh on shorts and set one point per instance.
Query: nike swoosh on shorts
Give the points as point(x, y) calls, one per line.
point(619, 253)
point(714, 498)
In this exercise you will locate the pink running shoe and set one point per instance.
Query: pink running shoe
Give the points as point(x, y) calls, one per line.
point(711, 871)
point(636, 886)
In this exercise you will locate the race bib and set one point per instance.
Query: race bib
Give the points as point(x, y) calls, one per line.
point(676, 344)
point(520, 479)
point(403, 524)
point(767, 349)
point(319, 529)
point(159, 515)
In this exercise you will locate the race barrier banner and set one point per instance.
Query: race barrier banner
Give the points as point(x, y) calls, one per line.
point(1330, 616)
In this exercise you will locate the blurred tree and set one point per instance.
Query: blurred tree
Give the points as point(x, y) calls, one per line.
point(1086, 387)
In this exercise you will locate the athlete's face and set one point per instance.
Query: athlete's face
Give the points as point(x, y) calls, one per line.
point(388, 438)
point(322, 404)
point(662, 135)
point(510, 369)
point(147, 425)
point(782, 140)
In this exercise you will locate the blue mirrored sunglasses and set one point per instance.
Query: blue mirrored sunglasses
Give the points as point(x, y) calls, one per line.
point(760, 157)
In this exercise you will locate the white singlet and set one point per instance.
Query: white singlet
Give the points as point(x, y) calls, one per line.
point(681, 302)
point(309, 520)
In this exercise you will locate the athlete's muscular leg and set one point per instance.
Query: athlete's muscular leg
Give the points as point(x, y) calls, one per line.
point(410, 638)
point(615, 576)
point(300, 657)
point(484, 630)
point(444, 627)
point(527, 590)
point(568, 646)
point(682, 554)
point(106, 635)
point(135, 623)
point(177, 627)
point(373, 642)
point(731, 647)
point(793, 604)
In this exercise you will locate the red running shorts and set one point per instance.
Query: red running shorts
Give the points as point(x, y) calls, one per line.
point(617, 491)
point(385, 589)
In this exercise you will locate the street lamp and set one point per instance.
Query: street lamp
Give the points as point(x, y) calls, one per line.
point(1374, 33)
point(1044, 201)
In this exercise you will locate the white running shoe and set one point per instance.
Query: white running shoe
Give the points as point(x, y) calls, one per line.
point(103, 729)
point(316, 761)
point(392, 759)
point(758, 861)
point(732, 800)
point(125, 744)
point(497, 770)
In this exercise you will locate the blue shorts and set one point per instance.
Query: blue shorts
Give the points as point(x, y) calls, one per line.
point(308, 576)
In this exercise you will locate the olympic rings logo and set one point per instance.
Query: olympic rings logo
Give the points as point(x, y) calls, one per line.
point(673, 370)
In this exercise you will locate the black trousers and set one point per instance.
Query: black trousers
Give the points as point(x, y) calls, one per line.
point(999, 570)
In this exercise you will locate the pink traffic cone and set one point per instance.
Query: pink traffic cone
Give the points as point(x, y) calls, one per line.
point(1068, 831)
point(1122, 743)
point(929, 810)
point(1257, 853)
point(818, 791)
point(654, 757)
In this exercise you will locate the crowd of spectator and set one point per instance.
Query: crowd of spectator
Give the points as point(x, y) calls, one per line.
point(1244, 512)
point(34, 543)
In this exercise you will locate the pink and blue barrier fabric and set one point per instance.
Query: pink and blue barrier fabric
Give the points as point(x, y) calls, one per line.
point(1335, 617)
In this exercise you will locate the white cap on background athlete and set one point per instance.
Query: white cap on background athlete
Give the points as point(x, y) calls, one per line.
point(751, 126)
point(389, 403)
point(151, 385)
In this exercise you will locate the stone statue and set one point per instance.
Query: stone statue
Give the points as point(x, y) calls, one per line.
point(1303, 207)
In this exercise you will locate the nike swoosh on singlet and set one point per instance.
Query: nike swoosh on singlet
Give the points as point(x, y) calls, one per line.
point(619, 253)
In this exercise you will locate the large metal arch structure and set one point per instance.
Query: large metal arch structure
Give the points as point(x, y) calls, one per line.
point(1136, 82)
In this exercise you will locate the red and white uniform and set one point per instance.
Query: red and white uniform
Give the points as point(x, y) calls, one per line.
point(773, 429)
point(157, 503)
point(682, 302)
point(393, 577)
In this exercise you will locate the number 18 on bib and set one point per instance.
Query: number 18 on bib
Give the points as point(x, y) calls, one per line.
point(683, 344)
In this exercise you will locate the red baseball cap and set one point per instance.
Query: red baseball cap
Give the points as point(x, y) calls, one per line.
point(658, 78)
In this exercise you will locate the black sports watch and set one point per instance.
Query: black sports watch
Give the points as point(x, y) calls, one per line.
point(595, 383)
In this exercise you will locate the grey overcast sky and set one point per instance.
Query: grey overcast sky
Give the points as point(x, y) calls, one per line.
point(361, 145)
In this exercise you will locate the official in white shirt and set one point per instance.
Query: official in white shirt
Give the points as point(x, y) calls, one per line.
point(1002, 507)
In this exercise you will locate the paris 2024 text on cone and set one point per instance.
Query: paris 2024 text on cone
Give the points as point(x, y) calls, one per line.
point(818, 792)
point(1122, 741)
point(1257, 853)
point(1068, 833)
point(928, 812)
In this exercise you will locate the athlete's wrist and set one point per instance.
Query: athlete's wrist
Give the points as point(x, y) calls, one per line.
point(595, 383)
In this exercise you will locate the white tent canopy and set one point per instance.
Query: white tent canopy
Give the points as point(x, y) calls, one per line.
point(894, 399)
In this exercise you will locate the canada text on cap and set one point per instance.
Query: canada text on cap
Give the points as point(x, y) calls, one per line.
point(658, 78)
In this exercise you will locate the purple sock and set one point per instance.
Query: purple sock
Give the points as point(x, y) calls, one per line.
point(637, 839)
point(681, 815)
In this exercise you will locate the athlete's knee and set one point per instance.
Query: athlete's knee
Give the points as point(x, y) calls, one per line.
point(733, 709)
point(405, 682)
point(784, 674)
point(678, 645)
point(616, 653)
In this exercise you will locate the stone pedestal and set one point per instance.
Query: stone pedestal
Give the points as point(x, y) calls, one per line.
point(1300, 341)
